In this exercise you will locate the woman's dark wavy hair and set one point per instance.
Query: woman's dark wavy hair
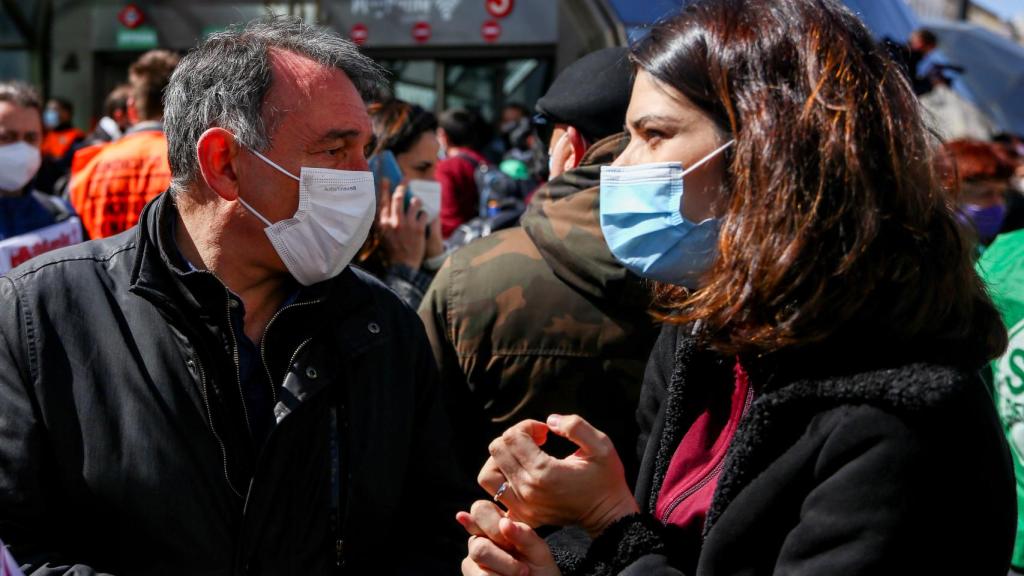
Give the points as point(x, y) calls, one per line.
point(398, 125)
point(835, 224)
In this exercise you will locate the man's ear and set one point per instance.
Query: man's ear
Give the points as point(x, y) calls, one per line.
point(133, 114)
point(217, 150)
point(579, 146)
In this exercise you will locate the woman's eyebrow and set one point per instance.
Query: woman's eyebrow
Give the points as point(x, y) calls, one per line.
point(640, 122)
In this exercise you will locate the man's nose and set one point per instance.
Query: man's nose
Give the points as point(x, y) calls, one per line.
point(358, 164)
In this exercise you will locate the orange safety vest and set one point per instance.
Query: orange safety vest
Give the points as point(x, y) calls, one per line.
point(85, 155)
point(111, 190)
point(57, 143)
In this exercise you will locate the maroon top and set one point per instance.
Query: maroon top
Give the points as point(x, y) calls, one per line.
point(693, 472)
point(460, 199)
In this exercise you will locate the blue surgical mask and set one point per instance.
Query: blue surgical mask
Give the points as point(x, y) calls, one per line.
point(644, 226)
point(51, 118)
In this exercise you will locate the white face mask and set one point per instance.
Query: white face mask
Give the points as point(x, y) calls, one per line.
point(19, 162)
point(336, 210)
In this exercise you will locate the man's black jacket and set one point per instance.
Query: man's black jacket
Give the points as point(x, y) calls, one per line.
point(124, 447)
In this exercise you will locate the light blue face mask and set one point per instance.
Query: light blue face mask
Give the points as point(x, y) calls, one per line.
point(644, 226)
point(51, 118)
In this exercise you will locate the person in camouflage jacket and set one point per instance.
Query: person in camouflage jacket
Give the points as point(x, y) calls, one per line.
point(542, 319)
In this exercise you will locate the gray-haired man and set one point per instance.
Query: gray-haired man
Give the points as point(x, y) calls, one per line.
point(215, 391)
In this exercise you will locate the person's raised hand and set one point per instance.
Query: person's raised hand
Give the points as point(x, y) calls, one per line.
point(527, 554)
point(403, 231)
point(587, 488)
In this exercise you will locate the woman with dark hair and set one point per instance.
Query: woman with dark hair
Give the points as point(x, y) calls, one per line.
point(813, 404)
point(404, 248)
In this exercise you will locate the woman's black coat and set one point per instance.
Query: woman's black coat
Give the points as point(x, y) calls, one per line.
point(836, 468)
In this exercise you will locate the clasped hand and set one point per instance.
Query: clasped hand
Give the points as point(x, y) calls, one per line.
point(587, 488)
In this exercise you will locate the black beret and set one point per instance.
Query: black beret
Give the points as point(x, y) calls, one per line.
point(591, 94)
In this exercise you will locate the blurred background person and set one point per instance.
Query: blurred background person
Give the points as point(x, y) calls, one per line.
point(514, 116)
point(109, 128)
point(116, 118)
point(921, 55)
point(404, 248)
point(59, 140)
point(983, 173)
point(463, 136)
point(112, 188)
point(542, 318)
point(24, 211)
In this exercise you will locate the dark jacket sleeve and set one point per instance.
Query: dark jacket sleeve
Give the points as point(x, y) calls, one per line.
point(441, 487)
point(27, 496)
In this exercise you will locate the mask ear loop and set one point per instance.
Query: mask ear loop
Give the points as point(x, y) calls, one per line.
point(274, 165)
point(254, 212)
point(279, 169)
point(708, 158)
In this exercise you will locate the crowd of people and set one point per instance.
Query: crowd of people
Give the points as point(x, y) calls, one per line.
point(722, 302)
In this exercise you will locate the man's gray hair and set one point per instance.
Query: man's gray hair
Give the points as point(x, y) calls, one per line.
point(223, 81)
point(20, 94)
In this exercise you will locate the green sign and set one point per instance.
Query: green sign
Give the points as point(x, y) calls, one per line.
point(141, 38)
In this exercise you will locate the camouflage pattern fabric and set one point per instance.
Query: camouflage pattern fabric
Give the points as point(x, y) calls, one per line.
point(542, 319)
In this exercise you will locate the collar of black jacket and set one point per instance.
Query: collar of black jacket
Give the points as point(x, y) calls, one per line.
point(162, 275)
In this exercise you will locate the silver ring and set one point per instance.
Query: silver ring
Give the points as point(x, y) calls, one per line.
point(501, 491)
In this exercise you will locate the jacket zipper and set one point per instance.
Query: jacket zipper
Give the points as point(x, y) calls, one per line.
point(238, 369)
point(213, 429)
point(263, 346)
point(713, 473)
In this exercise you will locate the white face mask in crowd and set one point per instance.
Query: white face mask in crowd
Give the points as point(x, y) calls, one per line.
point(336, 210)
point(19, 162)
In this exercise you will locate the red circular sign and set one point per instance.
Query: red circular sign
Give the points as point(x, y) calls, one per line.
point(421, 32)
point(131, 17)
point(491, 30)
point(359, 34)
point(500, 8)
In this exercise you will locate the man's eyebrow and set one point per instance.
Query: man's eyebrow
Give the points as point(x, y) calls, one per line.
point(340, 134)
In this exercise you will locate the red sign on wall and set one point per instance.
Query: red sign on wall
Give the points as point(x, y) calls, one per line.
point(491, 30)
point(359, 34)
point(500, 8)
point(131, 16)
point(421, 32)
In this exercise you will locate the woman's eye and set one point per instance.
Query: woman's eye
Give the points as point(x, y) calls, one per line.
point(653, 135)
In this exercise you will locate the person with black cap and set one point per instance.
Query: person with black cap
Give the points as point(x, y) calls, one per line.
point(542, 319)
